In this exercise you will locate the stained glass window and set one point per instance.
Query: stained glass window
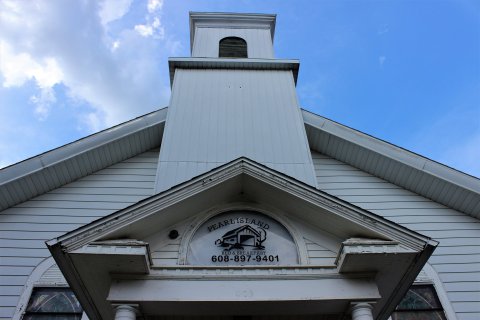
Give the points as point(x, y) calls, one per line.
point(233, 47)
point(53, 303)
point(420, 303)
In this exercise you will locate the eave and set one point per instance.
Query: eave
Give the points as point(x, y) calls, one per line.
point(47, 171)
point(411, 171)
point(37, 175)
point(234, 63)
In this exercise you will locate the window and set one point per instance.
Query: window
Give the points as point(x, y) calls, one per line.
point(420, 303)
point(233, 47)
point(53, 303)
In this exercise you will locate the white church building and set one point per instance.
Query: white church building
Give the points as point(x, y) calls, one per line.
point(235, 203)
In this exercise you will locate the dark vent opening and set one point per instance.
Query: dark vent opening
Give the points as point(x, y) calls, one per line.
point(233, 47)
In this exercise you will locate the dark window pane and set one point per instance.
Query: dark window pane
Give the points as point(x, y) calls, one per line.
point(420, 297)
point(54, 300)
point(233, 47)
point(418, 315)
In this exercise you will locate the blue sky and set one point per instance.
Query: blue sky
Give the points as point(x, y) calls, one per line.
point(407, 72)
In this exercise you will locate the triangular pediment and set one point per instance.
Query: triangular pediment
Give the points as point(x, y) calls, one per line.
point(333, 238)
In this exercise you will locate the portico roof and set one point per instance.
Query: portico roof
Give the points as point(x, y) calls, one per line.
point(374, 249)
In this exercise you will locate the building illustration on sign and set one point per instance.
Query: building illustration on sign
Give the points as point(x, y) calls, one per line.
point(244, 236)
point(233, 202)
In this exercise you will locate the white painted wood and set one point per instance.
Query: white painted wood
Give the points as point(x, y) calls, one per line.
point(216, 116)
point(428, 275)
point(318, 254)
point(50, 170)
point(231, 290)
point(399, 166)
point(457, 258)
point(168, 254)
point(45, 273)
point(125, 312)
point(362, 311)
point(206, 44)
point(25, 227)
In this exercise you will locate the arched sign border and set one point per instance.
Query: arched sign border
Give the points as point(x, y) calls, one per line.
point(274, 214)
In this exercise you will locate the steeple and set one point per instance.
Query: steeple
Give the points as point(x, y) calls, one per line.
point(232, 99)
point(208, 29)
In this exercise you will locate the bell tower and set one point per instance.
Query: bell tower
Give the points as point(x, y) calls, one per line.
point(232, 99)
point(207, 30)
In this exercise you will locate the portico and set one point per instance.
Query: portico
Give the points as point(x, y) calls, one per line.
point(112, 263)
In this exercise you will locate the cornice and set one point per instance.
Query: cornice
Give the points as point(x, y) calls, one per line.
point(233, 64)
point(231, 20)
point(303, 192)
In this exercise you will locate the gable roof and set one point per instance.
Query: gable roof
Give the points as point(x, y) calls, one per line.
point(32, 177)
point(411, 171)
point(52, 169)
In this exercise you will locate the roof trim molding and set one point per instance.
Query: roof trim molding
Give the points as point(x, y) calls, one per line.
point(241, 166)
point(234, 63)
point(14, 178)
point(465, 184)
point(230, 20)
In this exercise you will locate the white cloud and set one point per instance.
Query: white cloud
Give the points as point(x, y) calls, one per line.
point(21, 67)
point(154, 5)
point(115, 45)
point(43, 102)
point(111, 10)
point(56, 42)
point(144, 30)
point(151, 29)
point(93, 121)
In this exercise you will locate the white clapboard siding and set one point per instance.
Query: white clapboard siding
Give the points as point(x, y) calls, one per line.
point(167, 255)
point(457, 258)
point(319, 255)
point(25, 227)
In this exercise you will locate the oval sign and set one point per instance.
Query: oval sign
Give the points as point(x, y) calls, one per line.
point(242, 238)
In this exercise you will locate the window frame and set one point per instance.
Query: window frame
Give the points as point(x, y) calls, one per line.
point(28, 314)
point(433, 310)
point(240, 49)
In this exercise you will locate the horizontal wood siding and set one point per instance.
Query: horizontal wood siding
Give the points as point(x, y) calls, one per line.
point(168, 254)
point(25, 227)
point(457, 259)
point(319, 255)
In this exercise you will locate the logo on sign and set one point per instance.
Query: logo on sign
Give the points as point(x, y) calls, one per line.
point(241, 237)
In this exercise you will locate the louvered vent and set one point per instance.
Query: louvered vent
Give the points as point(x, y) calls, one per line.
point(53, 276)
point(233, 47)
